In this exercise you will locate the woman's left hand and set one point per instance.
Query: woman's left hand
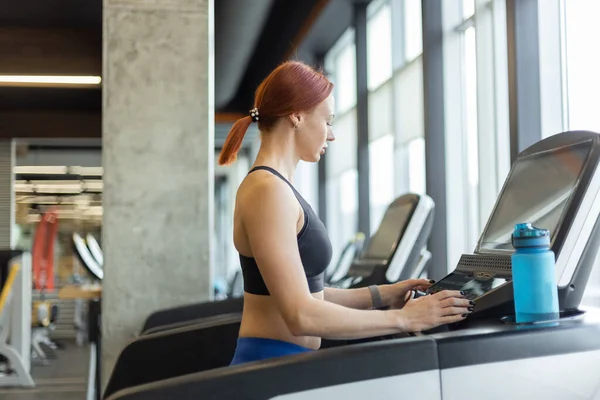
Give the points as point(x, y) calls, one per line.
point(397, 294)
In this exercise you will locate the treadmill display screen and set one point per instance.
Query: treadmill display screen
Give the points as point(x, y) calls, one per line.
point(538, 191)
point(474, 285)
point(392, 225)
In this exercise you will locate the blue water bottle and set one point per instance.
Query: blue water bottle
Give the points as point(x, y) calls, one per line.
point(534, 277)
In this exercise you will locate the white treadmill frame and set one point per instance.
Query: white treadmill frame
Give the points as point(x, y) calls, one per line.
point(15, 326)
point(409, 238)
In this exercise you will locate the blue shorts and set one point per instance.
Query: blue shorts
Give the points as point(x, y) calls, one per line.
point(254, 349)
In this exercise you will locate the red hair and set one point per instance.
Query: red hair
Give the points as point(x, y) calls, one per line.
point(292, 87)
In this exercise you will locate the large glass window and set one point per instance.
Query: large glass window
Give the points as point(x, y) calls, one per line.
point(345, 77)
point(381, 177)
point(342, 183)
point(468, 8)
point(582, 63)
point(342, 210)
point(470, 130)
point(348, 202)
point(476, 123)
point(341, 153)
point(409, 132)
point(413, 43)
point(416, 161)
point(379, 46)
point(306, 182)
point(408, 98)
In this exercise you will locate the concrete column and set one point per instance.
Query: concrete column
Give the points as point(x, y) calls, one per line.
point(7, 193)
point(158, 155)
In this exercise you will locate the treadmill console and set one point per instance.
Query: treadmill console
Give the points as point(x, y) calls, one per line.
point(397, 250)
point(381, 247)
point(392, 228)
point(474, 284)
point(555, 185)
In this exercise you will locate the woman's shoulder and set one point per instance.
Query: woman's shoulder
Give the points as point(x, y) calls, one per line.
point(263, 191)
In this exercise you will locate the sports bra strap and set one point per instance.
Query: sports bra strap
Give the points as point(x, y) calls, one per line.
point(274, 172)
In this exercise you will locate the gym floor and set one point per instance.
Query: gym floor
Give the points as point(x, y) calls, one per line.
point(64, 378)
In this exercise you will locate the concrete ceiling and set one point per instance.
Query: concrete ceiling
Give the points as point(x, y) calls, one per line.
point(50, 36)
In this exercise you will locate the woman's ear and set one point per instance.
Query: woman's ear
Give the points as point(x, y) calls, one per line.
point(295, 119)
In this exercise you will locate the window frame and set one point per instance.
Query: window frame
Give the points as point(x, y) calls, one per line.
point(493, 135)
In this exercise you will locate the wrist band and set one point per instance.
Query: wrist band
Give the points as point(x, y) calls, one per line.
point(375, 297)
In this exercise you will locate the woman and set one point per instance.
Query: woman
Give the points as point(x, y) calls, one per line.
point(284, 248)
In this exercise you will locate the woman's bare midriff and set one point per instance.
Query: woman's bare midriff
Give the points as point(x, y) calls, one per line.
point(262, 319)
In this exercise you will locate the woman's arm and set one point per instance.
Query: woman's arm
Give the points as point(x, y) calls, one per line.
point(270, 215)
point(395, 294)
point(359, 298)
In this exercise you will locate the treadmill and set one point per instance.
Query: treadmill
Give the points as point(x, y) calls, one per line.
point(336, 272)
point(163, 348)
point(554, 184)
point(564, 200)
point(397, 251)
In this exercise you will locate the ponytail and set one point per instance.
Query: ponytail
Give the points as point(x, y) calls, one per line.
point(234, 141)
point(291, 87)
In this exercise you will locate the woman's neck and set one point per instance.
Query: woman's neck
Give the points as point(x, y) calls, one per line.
point(278, 151)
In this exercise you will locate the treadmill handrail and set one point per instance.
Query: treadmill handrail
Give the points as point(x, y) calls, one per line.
point(197, 323)
point(201, 323)
point(277, 376)
point(179, 351)
point(191, 312)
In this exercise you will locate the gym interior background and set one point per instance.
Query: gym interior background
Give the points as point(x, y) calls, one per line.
point(432, 96)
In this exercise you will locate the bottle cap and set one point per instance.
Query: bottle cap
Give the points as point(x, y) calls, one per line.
point(526, 235)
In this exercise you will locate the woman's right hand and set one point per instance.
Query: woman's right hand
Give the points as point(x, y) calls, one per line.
point(428, 312)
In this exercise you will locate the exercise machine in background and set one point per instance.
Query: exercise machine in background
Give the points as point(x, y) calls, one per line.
point(398, 249)
point(44, 312)
point(95, 249)
point(15, 319)
point(90, 262)
point(338, 271)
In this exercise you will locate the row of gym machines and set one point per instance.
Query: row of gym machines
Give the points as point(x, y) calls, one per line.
point(184, 353)
point(25, 324)
point(46, 310)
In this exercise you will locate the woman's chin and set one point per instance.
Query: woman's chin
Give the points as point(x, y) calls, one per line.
point(312, 159)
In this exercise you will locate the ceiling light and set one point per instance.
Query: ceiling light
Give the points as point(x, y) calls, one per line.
point(40, 170)
point(58, 80)
point(56, 170)
point(47, 188)
point(87, 171)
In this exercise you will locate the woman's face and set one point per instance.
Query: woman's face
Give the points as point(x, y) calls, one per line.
point(314, 131)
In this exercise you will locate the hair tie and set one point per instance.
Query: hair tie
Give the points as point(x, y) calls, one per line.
point(254, 114)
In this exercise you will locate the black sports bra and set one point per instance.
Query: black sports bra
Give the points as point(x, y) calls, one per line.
point(313, 243)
